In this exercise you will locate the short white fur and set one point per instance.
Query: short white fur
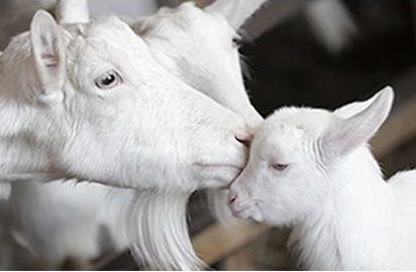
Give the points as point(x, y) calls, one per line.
point(209, 74)
point(57, 123)
point(312, 170)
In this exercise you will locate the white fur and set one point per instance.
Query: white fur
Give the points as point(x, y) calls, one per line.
point(236, 12)
point(344, 215)
point(212, 76)
point(207, 76)
point(155, 224)
point(72, 11)
point(197, 46)
point(92, 134)
point(65, 237)
point(109, 136)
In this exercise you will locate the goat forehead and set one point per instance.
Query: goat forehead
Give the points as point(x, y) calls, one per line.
point(186, 18)
point(288, 129)
point(104, 32)
point(112, 30)
point(313, 122)
point(109, 41)
point(278, 140)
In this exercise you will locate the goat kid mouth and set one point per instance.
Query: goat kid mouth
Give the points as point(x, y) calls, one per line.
point(242, 212)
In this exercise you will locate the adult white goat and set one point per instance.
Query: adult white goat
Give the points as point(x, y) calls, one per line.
point(53, 119)
point(313, 170)
point(75, 123)
point(172, 35)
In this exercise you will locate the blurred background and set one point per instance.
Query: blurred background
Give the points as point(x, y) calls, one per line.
point(321, 53)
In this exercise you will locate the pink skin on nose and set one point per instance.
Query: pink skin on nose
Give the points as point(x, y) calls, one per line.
point(244, 137)
point(239, 209)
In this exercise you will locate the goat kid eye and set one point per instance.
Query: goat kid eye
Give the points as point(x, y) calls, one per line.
point(279, 167)
point(108, 80)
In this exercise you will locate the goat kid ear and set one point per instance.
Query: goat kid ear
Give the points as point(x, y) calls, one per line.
point(72, 11)
point(354, 108)
point(237, 12)
point(347, 134)
point(49, 57)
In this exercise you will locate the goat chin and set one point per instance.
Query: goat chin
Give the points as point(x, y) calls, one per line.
point(155, 225)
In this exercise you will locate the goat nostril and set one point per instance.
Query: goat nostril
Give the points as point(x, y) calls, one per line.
point(233, 198)
point(244, 142)
point(244, 139)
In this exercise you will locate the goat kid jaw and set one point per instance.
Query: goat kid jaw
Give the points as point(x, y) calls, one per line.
point(289, 169)
point(122, 127)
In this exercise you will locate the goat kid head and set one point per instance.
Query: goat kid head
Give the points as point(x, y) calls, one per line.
point(298, 153)
point(89, 102)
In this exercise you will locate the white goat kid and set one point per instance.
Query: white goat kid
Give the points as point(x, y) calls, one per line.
point(89, 117)
point(312, 169)
point(186, 40)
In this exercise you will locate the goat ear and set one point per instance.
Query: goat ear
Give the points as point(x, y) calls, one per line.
point(72, 11)
point(345, 135)
point(351, 109)
point(49, 57)
point(237, 12)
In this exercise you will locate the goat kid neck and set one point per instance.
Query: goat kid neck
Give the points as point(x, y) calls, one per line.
point(350, 231)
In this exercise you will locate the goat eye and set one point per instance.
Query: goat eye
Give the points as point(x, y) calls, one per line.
point(237, 42)
point(279, 167)
point(108, 80)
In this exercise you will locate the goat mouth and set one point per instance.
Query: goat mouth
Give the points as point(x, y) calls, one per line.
point(216, 175)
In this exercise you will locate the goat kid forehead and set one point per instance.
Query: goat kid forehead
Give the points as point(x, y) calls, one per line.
point(290, 130)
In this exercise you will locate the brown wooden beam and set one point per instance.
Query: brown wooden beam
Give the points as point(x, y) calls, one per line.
point(218, 241)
